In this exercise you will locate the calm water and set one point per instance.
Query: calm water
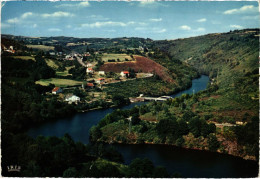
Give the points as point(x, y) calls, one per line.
point(189, 163)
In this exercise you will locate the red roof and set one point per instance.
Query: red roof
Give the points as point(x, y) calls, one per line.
point(90, 84)
point(100, 79)
point(125, 72)
point(90, 69)
point(55, 89)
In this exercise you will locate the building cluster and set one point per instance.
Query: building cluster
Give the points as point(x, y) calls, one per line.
point(9, 50)
point(70, 98)
point(56, 53)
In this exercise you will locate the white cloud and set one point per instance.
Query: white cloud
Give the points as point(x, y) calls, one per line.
point(185, 27)
point(150, 30)
point(202, 20)
point(151, 4)
point(156, 20)
point(13, 20)
point(35, 25)
point(64, 5)
point(4, 25)
point(160, 31)
point(111, 30)
point(142, 23)
point(27, 14)
point(141, 28)
point(250, 18)
point(236, 26)
point(200, 29)
point(21, 18)
point(215, 22)
point(84, 4)
point(111, 23)
point(101, 24)
point(58, 14)
point(78, 5)
point(244, 9)
point(54, 30)
point(98, 17)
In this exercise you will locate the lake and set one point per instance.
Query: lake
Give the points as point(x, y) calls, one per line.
point(189, 163)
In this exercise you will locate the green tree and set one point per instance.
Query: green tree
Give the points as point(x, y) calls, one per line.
point(70, 173)
point(194, 126)
point(135, 119)
point(180, 141)
point(160, 172)
point(213, 143)
point(141, 168)
point(95, 133)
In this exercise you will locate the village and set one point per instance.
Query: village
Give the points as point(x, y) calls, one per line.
point(96, 81)
point(90, 89)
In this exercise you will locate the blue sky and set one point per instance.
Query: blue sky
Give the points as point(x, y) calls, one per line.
point(148, 19)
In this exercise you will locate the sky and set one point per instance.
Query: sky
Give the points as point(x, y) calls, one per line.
point(157, 20)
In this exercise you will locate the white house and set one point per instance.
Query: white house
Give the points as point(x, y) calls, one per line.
point(124, 73)
point(101, 73)
point(141, 48)
point(89, 65)
point(52, 53)
point(56, 90)
point(71, 98)
point(90, 70)
point(100, 80)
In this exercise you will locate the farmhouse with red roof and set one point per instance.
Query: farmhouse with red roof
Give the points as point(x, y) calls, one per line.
point(56, 90)
point(100, 80)
point(124, 73)
point(90, 85)
point(90, 70)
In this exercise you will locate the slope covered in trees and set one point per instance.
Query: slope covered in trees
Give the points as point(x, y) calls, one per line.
point(222, 118)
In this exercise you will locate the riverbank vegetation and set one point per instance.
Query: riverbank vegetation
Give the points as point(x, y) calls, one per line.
point(179, 77)
point(62, 157)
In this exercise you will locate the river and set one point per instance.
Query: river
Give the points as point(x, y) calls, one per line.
point(189, 163)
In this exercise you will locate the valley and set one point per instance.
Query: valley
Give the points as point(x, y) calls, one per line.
point(47, 79)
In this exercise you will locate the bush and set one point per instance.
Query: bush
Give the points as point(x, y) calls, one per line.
point(213, 143)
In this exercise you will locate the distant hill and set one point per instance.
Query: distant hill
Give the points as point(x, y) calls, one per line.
point(81, 44)
point(208, 53)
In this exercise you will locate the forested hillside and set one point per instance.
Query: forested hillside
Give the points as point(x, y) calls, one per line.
point(222, 118)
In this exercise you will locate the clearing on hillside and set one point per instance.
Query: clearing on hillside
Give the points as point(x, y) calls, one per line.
point(58, 82)
point(51, 63)
point(41, 47)
point(64, 73)
point(142, 64)
point(114, 56)
point(24, 57)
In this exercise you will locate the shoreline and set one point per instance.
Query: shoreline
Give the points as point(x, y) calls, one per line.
point(247, 158)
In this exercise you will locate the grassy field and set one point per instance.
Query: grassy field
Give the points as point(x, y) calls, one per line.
point(41, 47)
point(58, 82)
point(114, 56)
point(51, 64)
point(64, 73)
point(24, 57)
